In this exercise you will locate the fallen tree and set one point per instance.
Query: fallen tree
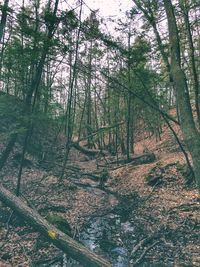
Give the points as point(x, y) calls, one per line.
point(136, 160)
point(62, 241)
point(89, 152)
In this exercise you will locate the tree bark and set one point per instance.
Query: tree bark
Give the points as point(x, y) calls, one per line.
point(190, 133)
point(69, 113)
point(3, 18)
point(136, 160)
point(194, 73)
point(58, 238)
point(29, 106)
point(89, 152)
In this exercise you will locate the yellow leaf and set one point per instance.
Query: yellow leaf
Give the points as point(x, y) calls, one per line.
point(52, 234)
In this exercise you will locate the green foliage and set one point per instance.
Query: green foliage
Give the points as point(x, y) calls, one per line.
point(49, 18)
point(5, 8)
point(69, 21)
point(91, 26)
point(139, 52)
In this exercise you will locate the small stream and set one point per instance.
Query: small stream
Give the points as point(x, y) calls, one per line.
point(108, 236)
point(111, 236)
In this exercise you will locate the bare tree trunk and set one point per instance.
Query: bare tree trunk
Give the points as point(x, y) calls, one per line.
point(128, 100)
point(3, 18)
point(69, 115)
point(34, 90)
point(190, 133)
point(55, 236)
point(184, 6)
point(149, 15)
point(89, 100)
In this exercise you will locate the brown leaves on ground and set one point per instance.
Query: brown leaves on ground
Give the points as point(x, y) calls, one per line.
point(169, 205)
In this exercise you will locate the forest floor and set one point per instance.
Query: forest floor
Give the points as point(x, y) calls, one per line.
point(165, 216)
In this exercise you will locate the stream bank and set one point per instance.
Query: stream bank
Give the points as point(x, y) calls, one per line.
point(111, 233)
point(113, 222)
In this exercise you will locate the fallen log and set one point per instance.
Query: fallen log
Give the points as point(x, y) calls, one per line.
point(89, 152)
point(136, 160)
point(62, 241)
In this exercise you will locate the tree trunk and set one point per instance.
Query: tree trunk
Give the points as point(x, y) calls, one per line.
point(3, 18)
point(89, 152)
point(190, 133)
point(128, 100)
point(89, 99)
point(69, 112)
point(58, 238)
point(136, 160)
point(192, 58)
point(33, 88)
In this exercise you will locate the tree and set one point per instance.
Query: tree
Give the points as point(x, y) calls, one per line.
point(71, 95)
point(3, 18)
point(191, 55)
point(190, 132)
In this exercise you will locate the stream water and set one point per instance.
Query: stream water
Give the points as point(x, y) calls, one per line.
point(106, 236)
point(110, 235)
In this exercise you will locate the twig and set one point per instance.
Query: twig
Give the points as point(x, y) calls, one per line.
point(144, 253)
point(7, 223)
point(144, 241)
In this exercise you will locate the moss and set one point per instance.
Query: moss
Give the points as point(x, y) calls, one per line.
point(60, 223)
